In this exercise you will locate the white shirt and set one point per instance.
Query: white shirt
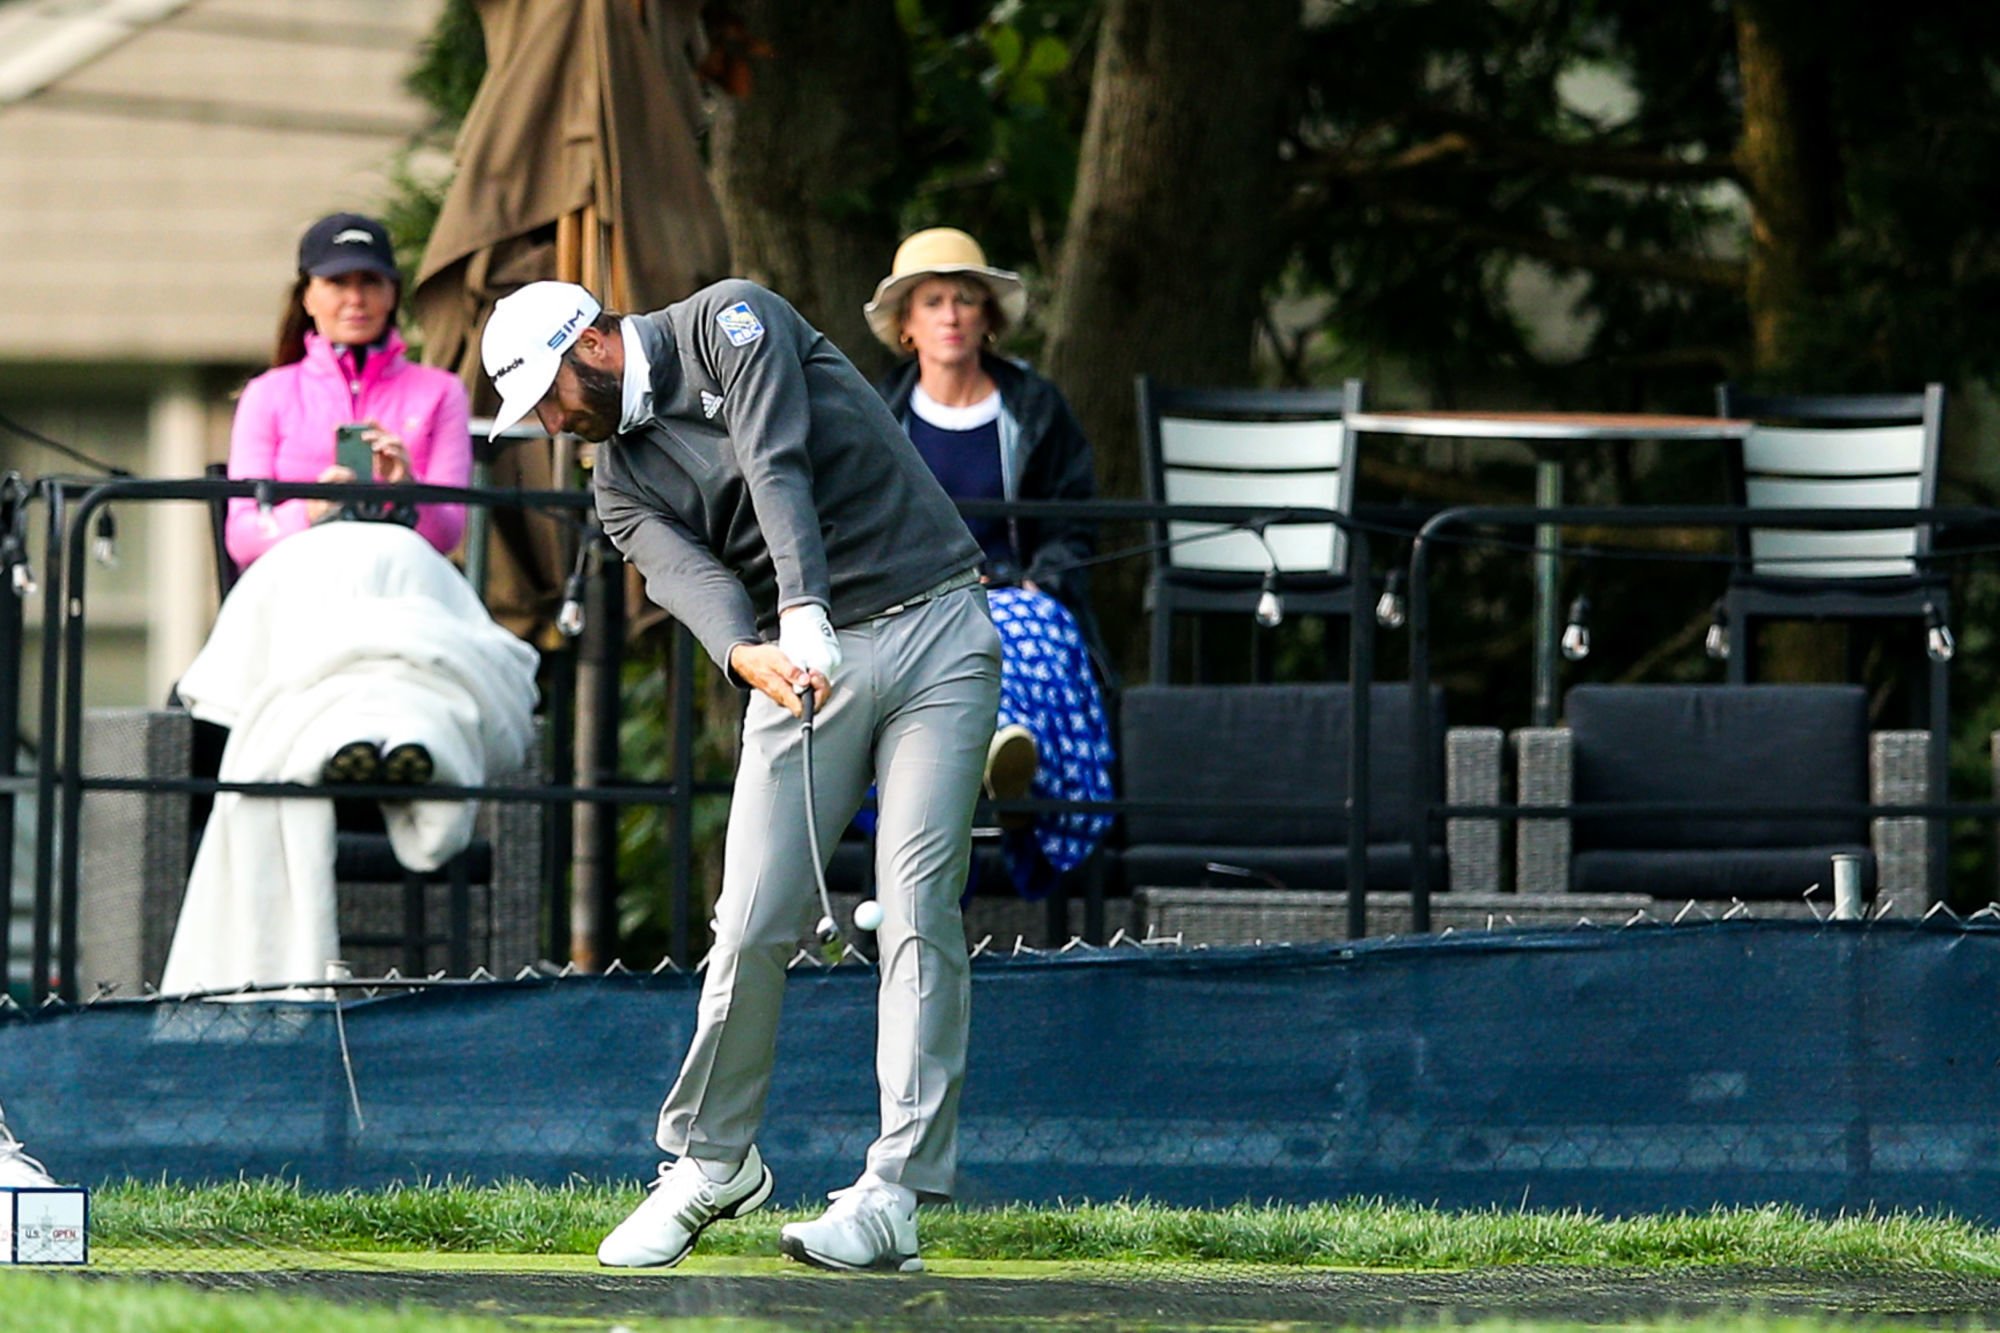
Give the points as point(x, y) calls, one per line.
point(636, 401)
point(970, 417)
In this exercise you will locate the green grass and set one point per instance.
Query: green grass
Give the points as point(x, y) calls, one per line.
point(41, 1303)
point(46, 1304)
point(568, 1220)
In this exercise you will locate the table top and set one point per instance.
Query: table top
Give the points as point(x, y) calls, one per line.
point(1549, 425)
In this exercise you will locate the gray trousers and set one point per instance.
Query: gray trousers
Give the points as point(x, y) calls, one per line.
point(911, 710)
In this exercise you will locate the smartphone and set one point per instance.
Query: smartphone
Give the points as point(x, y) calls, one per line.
point(351, 451)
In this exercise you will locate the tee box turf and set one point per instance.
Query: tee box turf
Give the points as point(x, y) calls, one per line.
point(44, 1226)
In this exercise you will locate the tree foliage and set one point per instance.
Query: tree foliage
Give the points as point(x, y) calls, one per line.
point(445, 77)
point(1542, 198)
point(999, 95)
point(1478, 146)
point(450, 64)
point(1446, 148)
point(1910, 281)
point(1605, 204)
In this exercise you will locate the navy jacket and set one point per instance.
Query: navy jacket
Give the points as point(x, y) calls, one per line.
point(1044, 456)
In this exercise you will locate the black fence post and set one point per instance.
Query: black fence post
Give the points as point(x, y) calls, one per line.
point(558, 822)
point(12, 504)
point(1420, 720)
point(607, 610)
point(45, 765)
point(71, 627)
point(1361, 685)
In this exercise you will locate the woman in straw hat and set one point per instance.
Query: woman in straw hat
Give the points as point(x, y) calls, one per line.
point(991, 429)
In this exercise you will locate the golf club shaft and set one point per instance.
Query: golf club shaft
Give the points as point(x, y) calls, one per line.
point(828, 927)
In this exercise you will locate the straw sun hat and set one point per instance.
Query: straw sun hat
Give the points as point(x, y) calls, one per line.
point(935, 253)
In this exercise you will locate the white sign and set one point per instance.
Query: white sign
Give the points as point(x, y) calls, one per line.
point(44, 1226)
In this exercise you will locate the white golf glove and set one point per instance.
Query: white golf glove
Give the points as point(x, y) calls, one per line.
point(806, 636)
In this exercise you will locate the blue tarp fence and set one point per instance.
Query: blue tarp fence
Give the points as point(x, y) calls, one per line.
point(1625, 1070)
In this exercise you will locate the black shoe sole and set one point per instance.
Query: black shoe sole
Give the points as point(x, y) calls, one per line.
point(793, 1248)
point(408, 765)
point(356, 761)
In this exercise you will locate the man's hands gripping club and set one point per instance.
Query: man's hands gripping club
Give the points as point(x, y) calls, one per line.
point(806, 655)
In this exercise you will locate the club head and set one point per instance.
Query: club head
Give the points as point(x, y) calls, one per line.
point(826, 930)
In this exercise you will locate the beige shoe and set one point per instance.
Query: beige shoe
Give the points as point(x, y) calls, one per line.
point(1011, 759)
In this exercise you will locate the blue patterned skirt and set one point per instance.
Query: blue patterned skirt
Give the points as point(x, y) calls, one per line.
point(1047, 686)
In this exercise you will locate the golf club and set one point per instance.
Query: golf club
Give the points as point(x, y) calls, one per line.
point(828, 930)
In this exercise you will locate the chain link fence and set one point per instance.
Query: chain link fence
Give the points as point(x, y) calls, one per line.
point(1642, 1068)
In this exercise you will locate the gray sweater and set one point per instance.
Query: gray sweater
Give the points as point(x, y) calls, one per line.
point(769, 475)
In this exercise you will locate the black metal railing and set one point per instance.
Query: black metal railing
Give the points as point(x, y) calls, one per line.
point(61, 784)
point(1441, 531)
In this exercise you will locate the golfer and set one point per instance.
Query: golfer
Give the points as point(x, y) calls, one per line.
point(778, 510)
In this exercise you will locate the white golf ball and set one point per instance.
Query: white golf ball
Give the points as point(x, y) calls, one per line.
point(868, 915)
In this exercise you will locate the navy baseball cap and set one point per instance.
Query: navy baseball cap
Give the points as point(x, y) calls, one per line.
point(347, 243)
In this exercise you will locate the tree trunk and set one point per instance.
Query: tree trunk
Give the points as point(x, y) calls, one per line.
point(1170, 239)
point(1789, 164)
point(806, 164)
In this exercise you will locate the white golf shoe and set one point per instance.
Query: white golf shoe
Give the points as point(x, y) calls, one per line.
point(866, 1230)
point(664, 1227)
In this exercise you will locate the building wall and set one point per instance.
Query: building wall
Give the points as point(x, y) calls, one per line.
point(155, 195)
point(151, 421)
point(151, 200)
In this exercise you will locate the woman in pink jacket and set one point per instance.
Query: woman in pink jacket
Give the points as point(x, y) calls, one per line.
point(355, 651)
point(340, 361)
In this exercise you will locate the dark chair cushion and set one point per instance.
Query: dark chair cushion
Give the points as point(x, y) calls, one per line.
point(1267, 743)
point(1748, 873)
point(1728, 745)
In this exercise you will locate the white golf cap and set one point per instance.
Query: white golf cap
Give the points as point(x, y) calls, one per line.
point(525, 338)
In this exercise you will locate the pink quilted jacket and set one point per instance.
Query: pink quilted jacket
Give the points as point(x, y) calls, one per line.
point(285, 423)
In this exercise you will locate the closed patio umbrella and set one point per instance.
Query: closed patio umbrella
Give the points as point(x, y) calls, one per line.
point(578, 160)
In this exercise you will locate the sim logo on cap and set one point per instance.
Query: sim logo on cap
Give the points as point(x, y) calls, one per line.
point(561, 335)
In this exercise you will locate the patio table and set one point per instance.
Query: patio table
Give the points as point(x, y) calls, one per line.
point(1549, 434)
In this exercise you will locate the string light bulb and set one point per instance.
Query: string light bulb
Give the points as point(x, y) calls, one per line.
point(570, 618)
point(1576, 635)
point(1390, 610)
point(1938, 643)
point(1716, 642)
point(267, 519)
point(1270, 606)
point(104, 544)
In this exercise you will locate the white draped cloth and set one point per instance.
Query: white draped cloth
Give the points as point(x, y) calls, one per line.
point(343, 632)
